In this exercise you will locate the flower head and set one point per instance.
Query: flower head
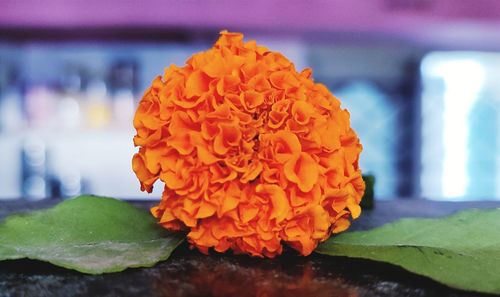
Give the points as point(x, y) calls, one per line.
point(253, 154)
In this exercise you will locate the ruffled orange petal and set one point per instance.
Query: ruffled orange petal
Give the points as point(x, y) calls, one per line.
point(286, 146)
point(252, 172)
point(229, 136)
point(145, 176)
point(228, 84)
point(303, 170)
point(197, 84)
point(251, 100)
point(280, 207)
point(230, 199)
point(216, 67)
point(302, 112)
point(206, 156)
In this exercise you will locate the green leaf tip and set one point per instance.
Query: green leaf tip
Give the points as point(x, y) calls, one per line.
point(89, 234)
point(461, 251)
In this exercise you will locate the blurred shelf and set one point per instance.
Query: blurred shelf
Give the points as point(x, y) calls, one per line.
point(99, 158)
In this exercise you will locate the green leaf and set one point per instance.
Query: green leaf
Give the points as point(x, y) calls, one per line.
point(461, 251)
point(89, 234)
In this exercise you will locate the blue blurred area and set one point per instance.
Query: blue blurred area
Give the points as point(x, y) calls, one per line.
point(374, 117)
point(460, 135)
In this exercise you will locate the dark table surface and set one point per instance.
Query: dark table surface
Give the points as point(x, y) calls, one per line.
point(189, 273)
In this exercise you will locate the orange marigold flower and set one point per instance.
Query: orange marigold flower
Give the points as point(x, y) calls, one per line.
point(253, 154)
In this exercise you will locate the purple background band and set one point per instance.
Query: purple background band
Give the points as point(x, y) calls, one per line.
point(431, 21)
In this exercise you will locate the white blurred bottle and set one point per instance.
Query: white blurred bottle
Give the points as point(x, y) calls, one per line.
point(123, 82)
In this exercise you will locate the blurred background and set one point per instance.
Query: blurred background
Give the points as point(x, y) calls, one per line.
point(421, 79)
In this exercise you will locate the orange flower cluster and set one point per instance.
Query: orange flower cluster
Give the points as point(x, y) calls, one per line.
point(253, 154)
